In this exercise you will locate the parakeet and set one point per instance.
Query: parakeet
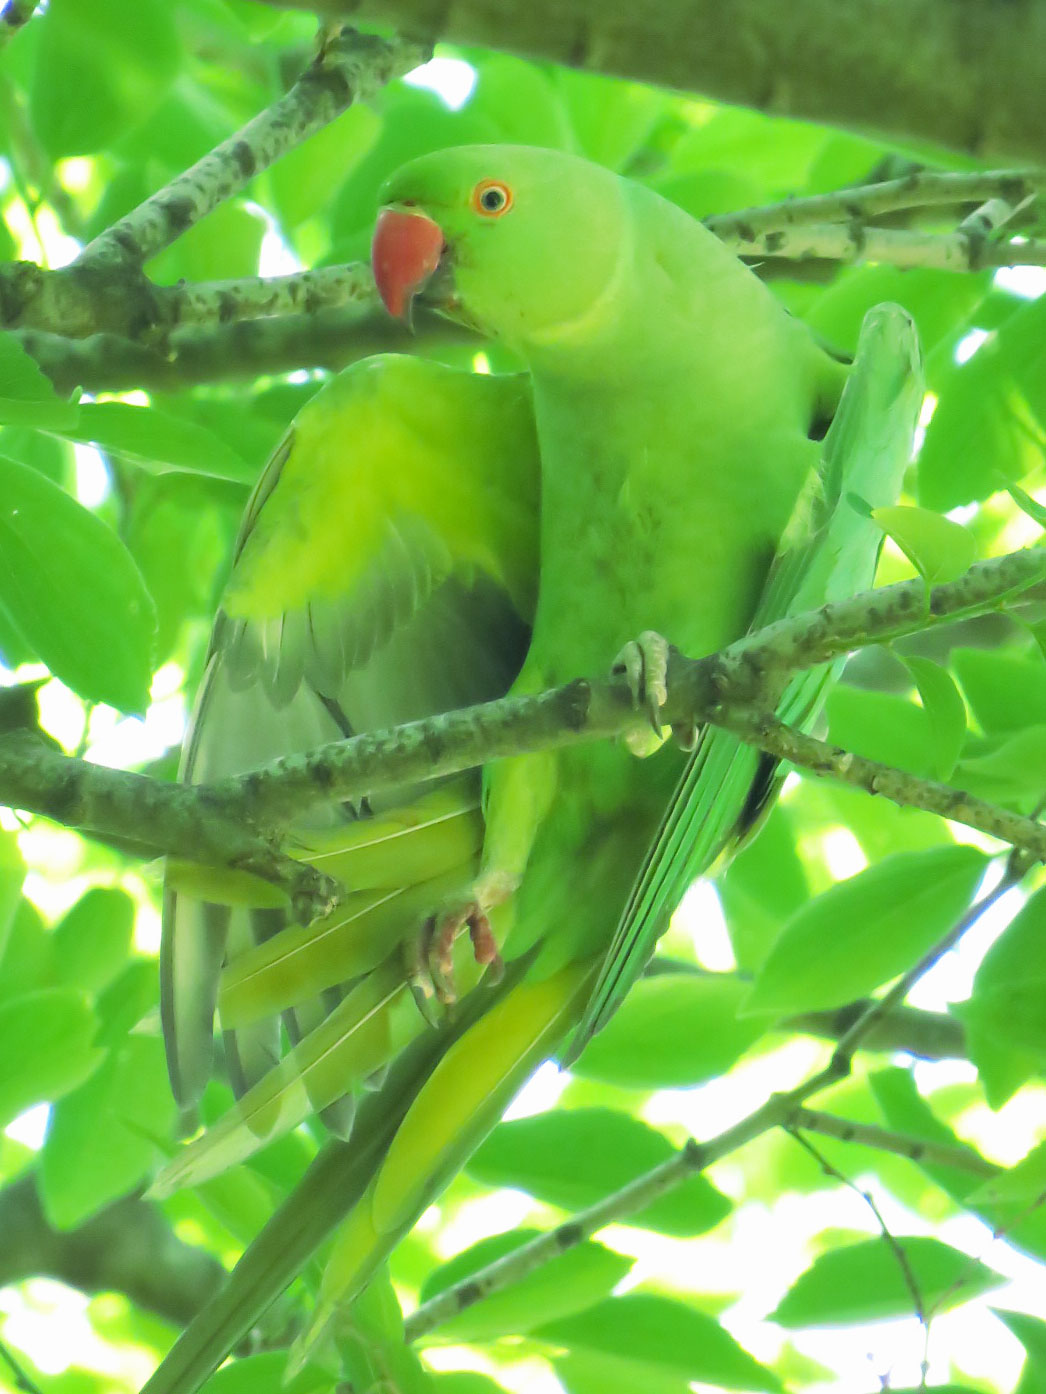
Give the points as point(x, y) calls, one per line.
point(424, 539)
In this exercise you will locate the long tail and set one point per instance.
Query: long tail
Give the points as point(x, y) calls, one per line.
point(441, 1097)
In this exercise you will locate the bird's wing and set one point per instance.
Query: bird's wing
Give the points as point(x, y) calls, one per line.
point(830, 551)
point(386, 570)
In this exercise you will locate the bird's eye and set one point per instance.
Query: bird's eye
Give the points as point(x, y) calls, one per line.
point(491, 198)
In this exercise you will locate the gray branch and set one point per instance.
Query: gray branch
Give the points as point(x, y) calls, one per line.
point(967, 74)
point(236, 822)
point(924, 189)
point(127, 1247)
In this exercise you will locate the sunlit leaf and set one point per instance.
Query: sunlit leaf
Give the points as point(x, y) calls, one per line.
point(92, 941)
point(673, 1030)
point(644, 1332)
point(943, 704)
point(939, 549)
point(864, 931)
point(45, 1048)
point(870, 1281)
point(100, 1142)
point(569, 1282)
point(69, 585)
point(574, 1157)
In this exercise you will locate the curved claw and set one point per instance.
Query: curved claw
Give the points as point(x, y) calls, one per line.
point(643, 663)
point(432, 971)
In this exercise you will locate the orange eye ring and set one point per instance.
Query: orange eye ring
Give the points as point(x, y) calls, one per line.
point(491, 198)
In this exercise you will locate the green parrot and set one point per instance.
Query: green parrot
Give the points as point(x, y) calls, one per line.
point(675, 462)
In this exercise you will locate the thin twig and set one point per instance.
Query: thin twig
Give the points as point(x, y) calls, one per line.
point(894, 1245)
point(904, 789)
point(885, 1140)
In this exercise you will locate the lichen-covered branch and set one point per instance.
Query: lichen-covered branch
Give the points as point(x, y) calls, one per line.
point(968, 74)
point(905, 790)
point(349, 67)
point(243, 350)
point(235, 821)
point(923, 189)
point(852, 242)
point(149, 816)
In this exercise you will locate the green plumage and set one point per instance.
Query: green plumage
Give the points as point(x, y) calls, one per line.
point(426, 539)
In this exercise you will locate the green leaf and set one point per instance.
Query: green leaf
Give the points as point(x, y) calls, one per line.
point(93, 940)
point(226, 244)
point(671, 1031)
point(1031, 1332)
point(939, 549)
point(99, 1145)
point(864, 931)
point(70, 586)
point(880, 726)
point(266, 1373)
point(570, 1282)
point(157, 442)
point(937, 300)
point(27, 398)
point(301, 179)
point(644, 1332)
point(1010, 769)
point(122, 1004)
point(45, 1048)
point(867, 1282)
point(904, 1109)
point(943, 704)
point(12, 874)
point(1027, 504)
point(28, 958)
point(763, 885)
point(590, 1372)
point(1024, 1182)
point(1003, 689)
point(988, 424)
point(574, 1157)
point(117, 58)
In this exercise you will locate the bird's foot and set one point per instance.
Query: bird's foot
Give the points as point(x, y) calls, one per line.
point(643, 663)
point(432, 960)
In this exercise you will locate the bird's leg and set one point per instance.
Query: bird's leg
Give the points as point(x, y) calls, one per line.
point(517, 795)
point(643, 663)
point(431, 965)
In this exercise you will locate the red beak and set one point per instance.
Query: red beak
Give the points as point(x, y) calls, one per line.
point(405, 252)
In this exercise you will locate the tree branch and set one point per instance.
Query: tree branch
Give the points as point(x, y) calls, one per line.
point(243, 350)
point(234, 822)
point(348, 68)
point(924, 189)
point(968, 74)
point(928, 1035)
point(126, 1247)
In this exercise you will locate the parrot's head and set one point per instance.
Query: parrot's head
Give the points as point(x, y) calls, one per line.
point(525, 244)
